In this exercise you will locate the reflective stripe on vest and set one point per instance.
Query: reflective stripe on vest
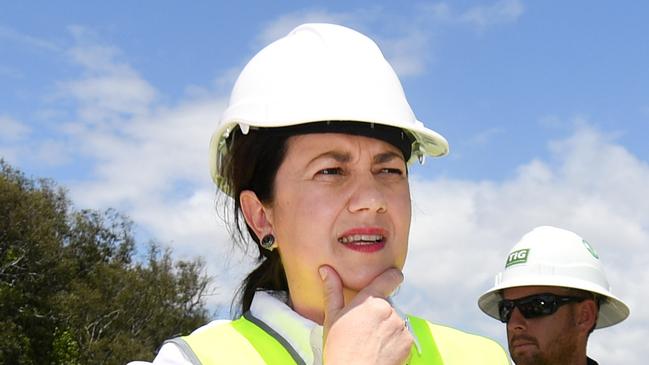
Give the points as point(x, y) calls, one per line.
point(242, 341)
point(429, 353)
point(250, 341)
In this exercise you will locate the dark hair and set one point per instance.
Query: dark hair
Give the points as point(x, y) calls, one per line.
point(252, 162)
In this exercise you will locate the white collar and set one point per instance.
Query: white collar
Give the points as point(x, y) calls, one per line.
point(304, 335)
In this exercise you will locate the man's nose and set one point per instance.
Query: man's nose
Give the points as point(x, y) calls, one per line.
point(517, 321)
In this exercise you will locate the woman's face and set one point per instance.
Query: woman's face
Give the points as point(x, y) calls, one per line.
point(341, 200)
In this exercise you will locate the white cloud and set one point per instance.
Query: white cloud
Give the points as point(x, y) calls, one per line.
point(109, 90)
point(500, 12)
point(480, 16)
point(28, 40)
point(103, 97)
point(440, 12)
point(191, 226)
point(486, 136)
point(138, 146)
point(159, 154)
point(148, 160)
point(13, 137)
point(462, 231)
point(159, 176)
point(407, 54)
point(95, 57)
point(12, 129)
point(52, 152)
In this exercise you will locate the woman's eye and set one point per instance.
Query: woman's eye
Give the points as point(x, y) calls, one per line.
point(331, 171)
point(392, 171)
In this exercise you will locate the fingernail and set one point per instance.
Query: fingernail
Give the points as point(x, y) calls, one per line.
point(323, 273)
point(395, 291)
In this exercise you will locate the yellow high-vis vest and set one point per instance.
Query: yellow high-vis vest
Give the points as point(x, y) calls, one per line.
point(249, 341)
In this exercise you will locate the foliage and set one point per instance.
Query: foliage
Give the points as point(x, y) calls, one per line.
point(71, 290)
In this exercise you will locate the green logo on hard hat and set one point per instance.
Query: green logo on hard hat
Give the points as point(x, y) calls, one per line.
point(590, 249)
point(517, 257)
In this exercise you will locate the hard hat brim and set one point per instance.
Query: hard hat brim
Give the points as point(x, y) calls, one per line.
point(612, 310)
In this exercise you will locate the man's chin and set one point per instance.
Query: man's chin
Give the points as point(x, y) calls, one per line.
point(522, 357)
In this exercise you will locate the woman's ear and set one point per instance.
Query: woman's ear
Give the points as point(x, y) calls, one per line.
point(257, 216)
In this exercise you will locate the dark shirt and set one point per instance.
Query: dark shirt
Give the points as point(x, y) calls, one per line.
point(591, 361)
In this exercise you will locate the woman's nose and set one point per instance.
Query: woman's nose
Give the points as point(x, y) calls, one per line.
point(367, 195)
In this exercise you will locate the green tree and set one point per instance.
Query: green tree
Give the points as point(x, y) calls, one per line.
point(71, 290)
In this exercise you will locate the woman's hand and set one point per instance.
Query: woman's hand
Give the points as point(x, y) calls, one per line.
point(368, 330)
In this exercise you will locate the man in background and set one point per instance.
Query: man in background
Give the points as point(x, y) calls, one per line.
point(552, 294)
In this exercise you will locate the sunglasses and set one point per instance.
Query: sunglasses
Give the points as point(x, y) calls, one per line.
point(533, 306)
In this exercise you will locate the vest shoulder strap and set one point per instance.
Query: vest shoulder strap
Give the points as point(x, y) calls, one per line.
point(427, 352)
point(459, 347)
point(268, 343)
point(237, 342)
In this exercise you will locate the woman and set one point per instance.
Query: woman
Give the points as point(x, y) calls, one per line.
point(313, 148)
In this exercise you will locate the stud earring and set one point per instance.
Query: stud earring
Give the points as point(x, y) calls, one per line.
point(268, 242)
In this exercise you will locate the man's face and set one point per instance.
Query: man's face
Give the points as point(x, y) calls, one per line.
point(551, 339)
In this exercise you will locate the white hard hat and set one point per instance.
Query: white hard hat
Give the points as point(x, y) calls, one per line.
point(320, 72)
point(550, 256)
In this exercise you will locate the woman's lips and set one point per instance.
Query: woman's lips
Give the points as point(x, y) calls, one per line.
point(364, 239)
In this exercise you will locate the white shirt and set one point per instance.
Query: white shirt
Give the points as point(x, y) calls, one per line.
point(304, 335)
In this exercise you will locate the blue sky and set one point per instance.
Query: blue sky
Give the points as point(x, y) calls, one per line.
point(498, 87)
point(545, 105)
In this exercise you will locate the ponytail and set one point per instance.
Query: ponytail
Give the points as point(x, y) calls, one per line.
point(252, 164)
point(269, 275)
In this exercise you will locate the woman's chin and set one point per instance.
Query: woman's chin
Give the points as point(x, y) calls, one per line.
point(356, 280)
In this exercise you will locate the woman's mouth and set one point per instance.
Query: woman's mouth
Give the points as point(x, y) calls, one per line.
point(363, 240)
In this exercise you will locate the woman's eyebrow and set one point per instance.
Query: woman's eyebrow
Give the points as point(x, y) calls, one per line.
point(344, 157)
point(338, 156)
point(387, 156)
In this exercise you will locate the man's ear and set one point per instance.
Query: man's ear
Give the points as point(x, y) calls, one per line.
point(587, 315)
point(258, 217)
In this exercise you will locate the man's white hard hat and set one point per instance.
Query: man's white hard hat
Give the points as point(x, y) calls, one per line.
point(320, 72)
point(550, 256)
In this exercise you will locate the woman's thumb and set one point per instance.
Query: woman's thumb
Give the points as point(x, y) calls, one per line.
point(334, 300)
